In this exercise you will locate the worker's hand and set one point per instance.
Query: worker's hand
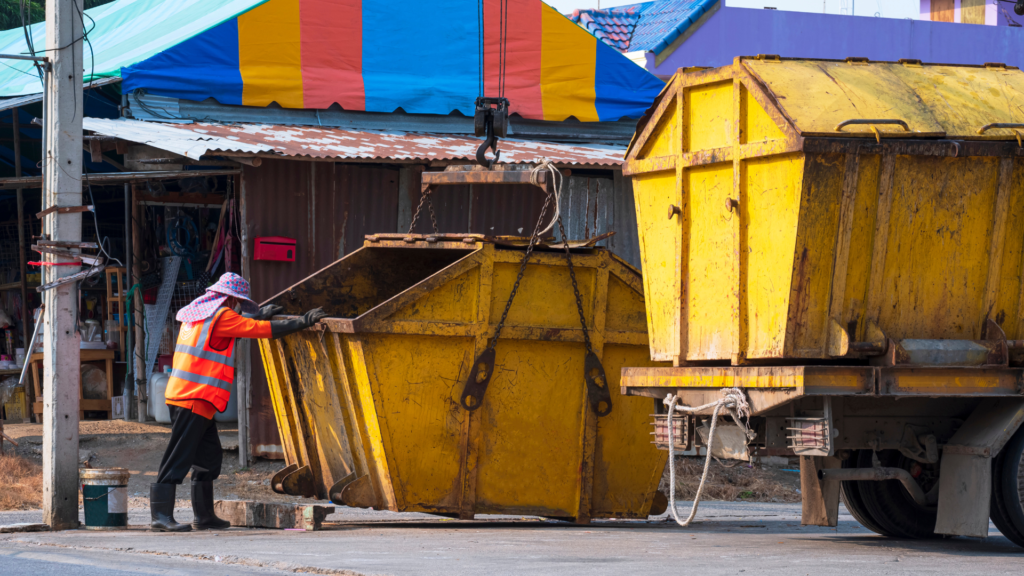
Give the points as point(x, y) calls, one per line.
point(267, 312)
point(314, 316)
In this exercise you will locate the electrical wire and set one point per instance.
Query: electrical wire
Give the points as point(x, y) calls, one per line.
point(145, 107)
point(17, 69)
point(95, 220)
point(30, 44)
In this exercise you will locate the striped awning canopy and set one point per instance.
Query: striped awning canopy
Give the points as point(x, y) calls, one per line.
point(425, 57)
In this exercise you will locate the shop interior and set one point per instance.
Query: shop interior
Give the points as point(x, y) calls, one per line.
point(186, 233)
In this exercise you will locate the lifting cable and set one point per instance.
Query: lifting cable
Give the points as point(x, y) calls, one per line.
point(596, 382)
point(732, 400)
point(490, 118)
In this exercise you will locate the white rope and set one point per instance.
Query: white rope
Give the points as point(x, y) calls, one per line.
point(556, 181)
point(732, 400)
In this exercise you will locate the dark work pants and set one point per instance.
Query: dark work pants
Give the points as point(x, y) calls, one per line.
point(194, 444)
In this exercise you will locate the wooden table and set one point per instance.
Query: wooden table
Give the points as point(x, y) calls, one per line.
point(84, 404)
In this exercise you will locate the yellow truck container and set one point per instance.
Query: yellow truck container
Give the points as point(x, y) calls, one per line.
point(369, 405)
point(780, 199)
point(833, 235)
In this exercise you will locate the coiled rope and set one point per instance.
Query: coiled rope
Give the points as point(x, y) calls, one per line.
point(556, 182)
point(732, 400)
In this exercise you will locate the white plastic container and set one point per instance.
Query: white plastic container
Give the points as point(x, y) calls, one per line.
point(157, 405)
point(156, 408)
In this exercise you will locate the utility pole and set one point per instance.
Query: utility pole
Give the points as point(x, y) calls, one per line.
point(62, 186)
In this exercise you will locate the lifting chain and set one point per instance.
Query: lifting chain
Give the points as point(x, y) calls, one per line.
point(424, 199)
point(483, 367)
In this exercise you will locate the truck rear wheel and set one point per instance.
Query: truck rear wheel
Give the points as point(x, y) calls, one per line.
point(887, 504)
point(1007, 508)
point(850, 492)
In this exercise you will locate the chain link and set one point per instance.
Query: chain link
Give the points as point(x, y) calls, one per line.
point(522, 270)
point(424, 199)
point(575, 286)
point(433, 217)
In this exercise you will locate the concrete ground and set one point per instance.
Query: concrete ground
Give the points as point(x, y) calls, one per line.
point(730, 538)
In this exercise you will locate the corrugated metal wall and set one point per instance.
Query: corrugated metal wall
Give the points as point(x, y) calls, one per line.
point(329, 207)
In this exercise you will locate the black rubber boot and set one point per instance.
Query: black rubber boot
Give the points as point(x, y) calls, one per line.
point(161, 504)
point(202, 508)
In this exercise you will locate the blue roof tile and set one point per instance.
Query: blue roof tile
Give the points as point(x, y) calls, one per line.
point(649, 26)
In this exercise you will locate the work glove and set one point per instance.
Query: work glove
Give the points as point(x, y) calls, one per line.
point(279, 328)
point(313, 316)
point(265, 313)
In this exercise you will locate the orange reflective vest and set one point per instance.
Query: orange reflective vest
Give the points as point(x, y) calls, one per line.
point(199, 371)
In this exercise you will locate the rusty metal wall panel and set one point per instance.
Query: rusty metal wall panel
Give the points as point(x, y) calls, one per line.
point(505, 210)
point(591, 205)
point(279, 198)
point(366, 203)
point(626, 242)
point(277, 195)
point(586, 204)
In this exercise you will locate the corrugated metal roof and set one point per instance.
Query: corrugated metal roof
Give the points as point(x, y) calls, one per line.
point(174, 138)
point(194, 140)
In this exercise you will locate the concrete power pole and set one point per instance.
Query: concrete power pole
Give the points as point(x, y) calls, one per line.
point(62, 186)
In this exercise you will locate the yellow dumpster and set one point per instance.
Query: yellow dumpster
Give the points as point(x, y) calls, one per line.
point(369, 405)
point(811, 209)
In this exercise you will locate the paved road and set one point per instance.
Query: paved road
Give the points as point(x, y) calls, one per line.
point(732, 538)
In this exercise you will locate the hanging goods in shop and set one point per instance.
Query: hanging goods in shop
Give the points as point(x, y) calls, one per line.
point(183, 240)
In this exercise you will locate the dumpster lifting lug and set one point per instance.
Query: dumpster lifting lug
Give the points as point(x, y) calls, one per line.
point(479, 378)
point(597, 385)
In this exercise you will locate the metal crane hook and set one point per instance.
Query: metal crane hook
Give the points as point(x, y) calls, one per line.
point(491, 141)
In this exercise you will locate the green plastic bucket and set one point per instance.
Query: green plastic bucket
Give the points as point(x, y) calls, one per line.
point(105, 493)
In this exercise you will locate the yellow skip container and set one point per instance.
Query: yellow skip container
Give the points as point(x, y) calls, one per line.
point(807, 209)
point(369, 406)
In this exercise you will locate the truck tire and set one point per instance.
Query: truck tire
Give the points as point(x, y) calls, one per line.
point(1007, 508)
point(850, 492)
point(889, 504)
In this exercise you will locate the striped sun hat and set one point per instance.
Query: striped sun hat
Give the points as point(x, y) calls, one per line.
point(229, 285)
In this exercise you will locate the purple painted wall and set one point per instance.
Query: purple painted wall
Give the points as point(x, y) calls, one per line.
point(735, 32)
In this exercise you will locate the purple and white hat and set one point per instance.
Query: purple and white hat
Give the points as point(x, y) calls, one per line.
point(230, 285)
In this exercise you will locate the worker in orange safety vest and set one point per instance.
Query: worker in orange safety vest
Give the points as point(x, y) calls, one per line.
point(200, 386)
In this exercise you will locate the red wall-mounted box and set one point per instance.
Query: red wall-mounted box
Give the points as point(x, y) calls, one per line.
point(276, 248)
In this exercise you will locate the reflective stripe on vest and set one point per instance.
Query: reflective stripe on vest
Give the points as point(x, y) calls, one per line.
point(199, 371)
point(200, 353)
point(197, 379)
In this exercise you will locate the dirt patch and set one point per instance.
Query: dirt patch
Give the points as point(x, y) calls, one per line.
point(21, 483)
point(139, 448)
point(751, 483)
